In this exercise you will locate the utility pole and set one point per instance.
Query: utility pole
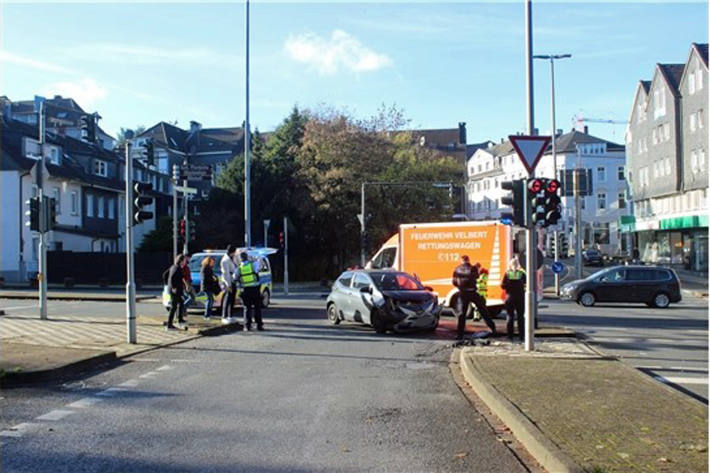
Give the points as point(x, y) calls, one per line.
point(42, 250)
point(130, 284)
point(176, 179)
point(247, 146)
point(552, 58)
point(362, 225)
point(578, 217)
point(530, 246)
point(185, 196)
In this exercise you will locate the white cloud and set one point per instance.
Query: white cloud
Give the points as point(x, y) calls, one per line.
point(86, 92)
point(341, 50)
point(6, 57)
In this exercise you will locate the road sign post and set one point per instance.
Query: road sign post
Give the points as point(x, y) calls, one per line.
point(530, 149)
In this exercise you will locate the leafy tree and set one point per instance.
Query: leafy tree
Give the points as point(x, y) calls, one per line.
point(121, 137)
point(160, 238)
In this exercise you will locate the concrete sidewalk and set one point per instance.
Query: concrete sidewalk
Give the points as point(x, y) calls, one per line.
point(576, 410)
point(36, 350)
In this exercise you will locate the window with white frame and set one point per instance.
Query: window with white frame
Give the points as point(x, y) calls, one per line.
point(691, 83)
point(74, 203)
point(654, 136)
point(698, 79)
point(692, 122)
point(659, 102)
point(622, 200)
point(694, 161)
point(100, 168)
point(89, 205)
point(111, 208)
point(666, 132)
point(667, 166)
point(100, 205)
point(601, 200)
point(700, 119)
point(601, 174)
point(701, 159)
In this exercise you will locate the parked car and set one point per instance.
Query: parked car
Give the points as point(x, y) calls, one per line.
point(592, 258)
point(653, 285)
point(384, 299)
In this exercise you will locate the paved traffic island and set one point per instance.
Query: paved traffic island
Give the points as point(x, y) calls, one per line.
point(576, 410)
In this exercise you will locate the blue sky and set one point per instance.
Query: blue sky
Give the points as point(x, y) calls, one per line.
point(140, 63)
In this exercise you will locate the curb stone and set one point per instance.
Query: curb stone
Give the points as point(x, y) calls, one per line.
point(551, 457)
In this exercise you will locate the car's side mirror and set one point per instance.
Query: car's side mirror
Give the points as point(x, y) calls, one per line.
point(366, 290)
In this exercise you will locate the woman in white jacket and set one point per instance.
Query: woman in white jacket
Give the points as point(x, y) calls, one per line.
point(227, 267)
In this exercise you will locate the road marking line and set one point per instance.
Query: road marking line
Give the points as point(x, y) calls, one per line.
point(131, 383)
point(85, 402)
point(110, 392)
point(56, 414)
point(149, 374)
point(20, 307)
point(164, 368)
point(681, 380)
point(17, 431)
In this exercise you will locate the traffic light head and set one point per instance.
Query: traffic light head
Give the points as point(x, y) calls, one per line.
point(281, 239)
point(516, 200)
point(552, 205)
point(182, 227)
point(32, 214)
point(141, 201)
point(149, 152)
point(535, 185)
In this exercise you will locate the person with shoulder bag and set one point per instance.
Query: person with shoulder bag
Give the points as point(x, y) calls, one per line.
point(207, 284)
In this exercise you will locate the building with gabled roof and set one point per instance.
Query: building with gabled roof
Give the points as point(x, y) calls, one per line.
point(604, 201)
point(667, 142)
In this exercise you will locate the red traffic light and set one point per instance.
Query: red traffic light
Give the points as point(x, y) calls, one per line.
point(534, 185)
point(553, 185)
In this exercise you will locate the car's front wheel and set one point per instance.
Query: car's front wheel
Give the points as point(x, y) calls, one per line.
point(333, 316)
point(587, 299)
point(377, 323)
point(661, 300)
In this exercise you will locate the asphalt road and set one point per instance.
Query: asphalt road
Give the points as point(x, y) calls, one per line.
point(302, 396)
point(669, 344)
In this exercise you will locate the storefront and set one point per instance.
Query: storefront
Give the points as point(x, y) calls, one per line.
point(680, 242)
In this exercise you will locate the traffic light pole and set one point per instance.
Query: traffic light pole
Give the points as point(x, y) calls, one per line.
point(130, 284)
point(187, 219)
point(176, 178)
point(286, 256)
point(42, 250)
point(530, 273)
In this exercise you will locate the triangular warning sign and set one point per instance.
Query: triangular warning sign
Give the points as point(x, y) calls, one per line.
point(530, 149)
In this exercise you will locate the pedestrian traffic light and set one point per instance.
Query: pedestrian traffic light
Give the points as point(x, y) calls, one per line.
point(536, 197)
point(32, 214)
point(553, 207)
point(182, 227)
point(149, 152)
point(142, 200)
point(88, 132)
point(51, 213)
point(516, 200)
point(281, 239)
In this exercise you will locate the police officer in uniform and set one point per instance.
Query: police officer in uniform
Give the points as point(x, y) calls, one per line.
point(514, 285)
point(248, 277)
point(464, 279)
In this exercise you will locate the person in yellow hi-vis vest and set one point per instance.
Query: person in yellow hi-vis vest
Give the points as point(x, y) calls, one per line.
point(481, 288)
point(514, 286)
point(248, 278)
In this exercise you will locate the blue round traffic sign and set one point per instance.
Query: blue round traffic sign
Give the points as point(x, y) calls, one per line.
point(557, 267)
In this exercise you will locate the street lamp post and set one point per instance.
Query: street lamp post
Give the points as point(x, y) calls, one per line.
point(247, 145)
point(551, 58)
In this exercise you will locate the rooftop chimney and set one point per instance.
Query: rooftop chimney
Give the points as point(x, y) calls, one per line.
point(586, 130)
point(558, 132)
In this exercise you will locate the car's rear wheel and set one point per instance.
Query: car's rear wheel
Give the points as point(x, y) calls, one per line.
point(587, 299)
point(333, 316)
point(661, 300)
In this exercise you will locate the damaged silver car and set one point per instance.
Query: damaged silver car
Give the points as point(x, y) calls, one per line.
point(386, 300)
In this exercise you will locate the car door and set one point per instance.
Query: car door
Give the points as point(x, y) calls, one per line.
point(361, 303)
point(642, 284)
point(341, 294)
point(612, 286)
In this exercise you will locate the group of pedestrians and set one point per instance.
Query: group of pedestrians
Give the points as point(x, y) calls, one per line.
point(471, 281)
point(237, 272)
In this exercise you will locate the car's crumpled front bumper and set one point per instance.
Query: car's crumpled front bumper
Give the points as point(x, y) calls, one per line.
point(403, 316)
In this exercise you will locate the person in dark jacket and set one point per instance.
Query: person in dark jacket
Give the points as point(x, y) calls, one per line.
point(464, 279)
point(176, 286)
point(208, 284)
point(514, 286)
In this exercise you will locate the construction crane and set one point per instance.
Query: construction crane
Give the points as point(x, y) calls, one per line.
point(579, 119)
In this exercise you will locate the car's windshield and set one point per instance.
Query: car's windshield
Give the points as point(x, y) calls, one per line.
point(390, 281)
